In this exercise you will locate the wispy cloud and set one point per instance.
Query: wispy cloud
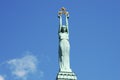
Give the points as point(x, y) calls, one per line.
point(21, 68)
point(2, 77)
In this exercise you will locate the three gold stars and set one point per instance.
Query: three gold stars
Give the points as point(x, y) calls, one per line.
point(63, 11)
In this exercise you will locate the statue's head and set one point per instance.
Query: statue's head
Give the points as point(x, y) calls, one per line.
point(63, 29)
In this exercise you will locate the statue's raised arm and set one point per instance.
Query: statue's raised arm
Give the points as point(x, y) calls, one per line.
point(60, 18)
point(67, 17)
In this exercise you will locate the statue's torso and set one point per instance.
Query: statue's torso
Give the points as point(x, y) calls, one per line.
point(63, 36)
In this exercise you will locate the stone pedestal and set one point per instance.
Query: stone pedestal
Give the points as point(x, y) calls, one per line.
point(66, 76)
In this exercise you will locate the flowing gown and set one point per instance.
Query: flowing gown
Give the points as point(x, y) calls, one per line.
point(64, 51)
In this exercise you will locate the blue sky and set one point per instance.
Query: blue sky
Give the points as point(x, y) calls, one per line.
point(29, 39)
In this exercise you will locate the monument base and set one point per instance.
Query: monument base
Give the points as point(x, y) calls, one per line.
point(66, 76)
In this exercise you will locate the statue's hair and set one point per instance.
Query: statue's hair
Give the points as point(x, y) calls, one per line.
point(62, 29)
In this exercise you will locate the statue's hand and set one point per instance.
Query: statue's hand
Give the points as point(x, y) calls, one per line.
point(68, 16)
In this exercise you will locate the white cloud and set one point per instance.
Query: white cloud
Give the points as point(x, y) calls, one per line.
point(22, 67)
point(2, 77)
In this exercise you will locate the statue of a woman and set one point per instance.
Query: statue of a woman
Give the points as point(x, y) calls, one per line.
point(64, 45)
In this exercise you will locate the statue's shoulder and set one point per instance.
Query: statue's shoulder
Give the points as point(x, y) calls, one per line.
point(62, 34)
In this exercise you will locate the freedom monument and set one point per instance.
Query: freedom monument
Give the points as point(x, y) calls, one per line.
point(65, 72)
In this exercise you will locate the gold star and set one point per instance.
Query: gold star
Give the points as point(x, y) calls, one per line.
point(63, 9)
